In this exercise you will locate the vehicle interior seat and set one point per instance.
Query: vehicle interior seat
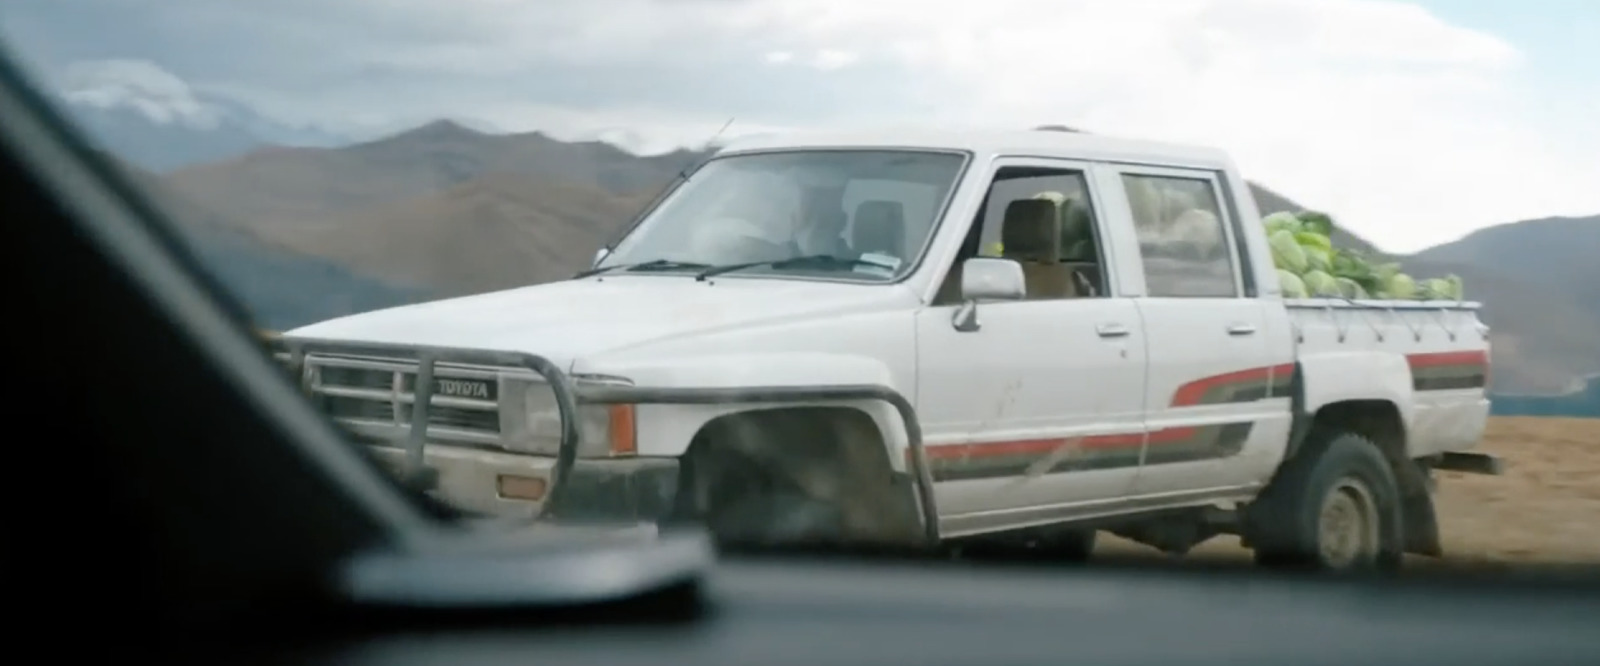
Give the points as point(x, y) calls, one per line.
point(880, 226)
point(1031, 235)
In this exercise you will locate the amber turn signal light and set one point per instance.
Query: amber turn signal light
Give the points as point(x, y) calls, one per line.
point(521, 487)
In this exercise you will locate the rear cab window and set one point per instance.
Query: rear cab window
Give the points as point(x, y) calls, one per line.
point(1185, 240)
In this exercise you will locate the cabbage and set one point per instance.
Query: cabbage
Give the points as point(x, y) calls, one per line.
point(1309, 264)
point(1400, 286)
point(1281, 222)
point(1076, 222)
point(1317, 259)
point(1315, 222)
point(1351, 289)
point(1386, 272)
point(1321, 284)
point(1440, 289)
point(1313, 239)
point(1286, 253)
point(1293, 286)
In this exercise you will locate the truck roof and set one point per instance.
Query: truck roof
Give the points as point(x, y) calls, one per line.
point(1037, 143)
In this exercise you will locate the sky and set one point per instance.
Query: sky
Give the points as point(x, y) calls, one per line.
point(1413, 123)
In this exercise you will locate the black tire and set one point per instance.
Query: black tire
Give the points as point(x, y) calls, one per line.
point(1069, 545)
point(1056, 546)
point(1299, 521)
point(783, 518)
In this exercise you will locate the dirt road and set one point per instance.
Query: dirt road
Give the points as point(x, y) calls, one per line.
point(1544, 509)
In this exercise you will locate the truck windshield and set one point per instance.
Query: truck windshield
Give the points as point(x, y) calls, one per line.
point(872, 209)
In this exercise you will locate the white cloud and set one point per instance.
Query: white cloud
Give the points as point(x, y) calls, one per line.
point(1402, 125)
point(139, 86)
point(1410, 130)
point(1405, 127)
point(834, 59)
point(640, 130)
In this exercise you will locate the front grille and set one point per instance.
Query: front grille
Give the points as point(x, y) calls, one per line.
point(375, 398)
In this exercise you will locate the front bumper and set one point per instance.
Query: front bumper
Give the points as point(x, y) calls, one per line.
point(476, 481)
point(636, 488)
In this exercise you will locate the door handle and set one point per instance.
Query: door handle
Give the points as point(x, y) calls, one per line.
point(1111, 330)
point(1241, 329)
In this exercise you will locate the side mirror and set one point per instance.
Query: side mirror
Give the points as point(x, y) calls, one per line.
point(987, 279)
point(990, 279)
point(599, 256)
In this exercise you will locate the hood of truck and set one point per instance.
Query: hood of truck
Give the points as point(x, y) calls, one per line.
point(566, 321)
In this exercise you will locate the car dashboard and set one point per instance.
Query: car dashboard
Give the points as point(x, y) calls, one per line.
point(807, 612)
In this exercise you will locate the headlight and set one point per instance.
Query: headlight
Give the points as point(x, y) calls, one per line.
point(531, 422)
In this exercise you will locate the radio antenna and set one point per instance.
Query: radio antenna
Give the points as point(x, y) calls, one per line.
point(694, 158)
point(683, 174)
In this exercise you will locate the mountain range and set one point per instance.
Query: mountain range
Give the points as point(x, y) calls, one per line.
point(155, 120)
point(302, 233)
point(279, 287)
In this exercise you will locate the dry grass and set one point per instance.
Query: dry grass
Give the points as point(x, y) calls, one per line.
point(1544, 510)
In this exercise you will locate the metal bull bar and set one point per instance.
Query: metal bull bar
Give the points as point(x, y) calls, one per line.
point(568, 394)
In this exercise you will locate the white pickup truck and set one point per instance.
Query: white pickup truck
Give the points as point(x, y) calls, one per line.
point(932, 338)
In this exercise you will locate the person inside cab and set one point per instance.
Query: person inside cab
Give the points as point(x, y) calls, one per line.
point(821, 224)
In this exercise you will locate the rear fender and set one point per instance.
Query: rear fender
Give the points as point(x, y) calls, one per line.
point(1328, 378)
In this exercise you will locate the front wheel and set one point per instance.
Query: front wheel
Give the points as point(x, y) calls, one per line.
point(782, 518)
point(1334, 507)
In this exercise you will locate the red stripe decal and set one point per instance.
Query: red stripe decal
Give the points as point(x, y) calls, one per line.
point(1045, 446)
point(1169, 435)
point(1436, 359)
point(1190, 394)
point(1187, 395)
point(1030, 446)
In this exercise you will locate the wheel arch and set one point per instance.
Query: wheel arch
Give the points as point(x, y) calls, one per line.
point(1383, 422)
point(833, 453)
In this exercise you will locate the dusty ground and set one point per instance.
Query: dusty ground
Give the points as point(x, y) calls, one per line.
point(1544, 509)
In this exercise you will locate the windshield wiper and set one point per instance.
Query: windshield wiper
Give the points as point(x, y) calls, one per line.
point(652, 265)
point(808, 261)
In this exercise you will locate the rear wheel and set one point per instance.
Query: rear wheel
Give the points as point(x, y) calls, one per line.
point(1348, 525)
point(1333, 507)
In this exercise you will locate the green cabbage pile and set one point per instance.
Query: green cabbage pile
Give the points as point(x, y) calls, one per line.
point(1310, 266)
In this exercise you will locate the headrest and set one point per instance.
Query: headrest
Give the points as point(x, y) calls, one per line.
point(880, 227)
point(822, 206)
point(1029, 231)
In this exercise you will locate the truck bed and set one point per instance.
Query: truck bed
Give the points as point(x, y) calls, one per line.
point(1433, 357)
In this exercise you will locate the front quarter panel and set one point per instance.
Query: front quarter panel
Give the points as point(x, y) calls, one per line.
point(861, 349)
